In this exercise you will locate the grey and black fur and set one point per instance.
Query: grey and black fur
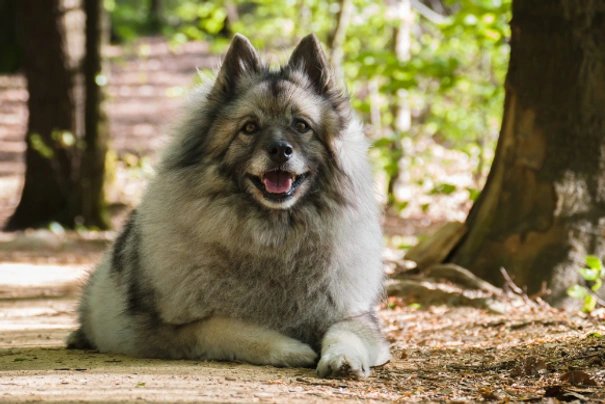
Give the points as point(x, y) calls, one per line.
point(258, 239)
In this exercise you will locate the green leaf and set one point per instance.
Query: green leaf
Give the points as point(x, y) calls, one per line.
point(593, 262)
point(597, 285)
point(590, 302)
point(40, 146)
point(383, 142)
point(473, 193)
point(401, 205)
point(444, 189)
point(577, 292)
point(589, 274)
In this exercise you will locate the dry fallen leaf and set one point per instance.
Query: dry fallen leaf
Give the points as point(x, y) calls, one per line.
point(578, 378)
point(488, 394)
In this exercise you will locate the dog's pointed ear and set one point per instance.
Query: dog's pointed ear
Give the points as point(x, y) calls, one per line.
point(240, 59)
point(310, 58)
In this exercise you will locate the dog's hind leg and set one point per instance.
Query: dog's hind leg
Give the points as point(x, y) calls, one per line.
point(351, 347)
point(222, 338)
point(78, 340)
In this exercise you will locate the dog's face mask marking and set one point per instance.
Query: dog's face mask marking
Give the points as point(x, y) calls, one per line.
point(274, 131)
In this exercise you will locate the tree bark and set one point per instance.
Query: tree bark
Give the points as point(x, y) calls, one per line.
point(67, 130)
point(48, 176)
point(543, 207)
point(96, 135)
point(10, 31)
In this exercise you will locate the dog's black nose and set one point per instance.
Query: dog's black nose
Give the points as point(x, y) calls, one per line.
point(280, 152)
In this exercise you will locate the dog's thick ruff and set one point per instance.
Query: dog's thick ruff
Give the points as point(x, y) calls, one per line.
point(212, 265)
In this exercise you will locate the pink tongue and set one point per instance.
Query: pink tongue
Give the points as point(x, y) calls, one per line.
point(277, 182)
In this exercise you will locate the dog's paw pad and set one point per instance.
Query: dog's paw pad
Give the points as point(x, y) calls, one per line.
point(341, 365)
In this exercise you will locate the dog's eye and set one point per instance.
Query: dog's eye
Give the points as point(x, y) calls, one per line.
point(301, 126)
point(250, 128)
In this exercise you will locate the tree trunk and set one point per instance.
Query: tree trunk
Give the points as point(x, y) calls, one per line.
point(543, 207)
point(48, 176)
point(337, 37)
point(402, 114)
point(10, 31)
point(92, 167)
point(67, 131)
point(154, 16)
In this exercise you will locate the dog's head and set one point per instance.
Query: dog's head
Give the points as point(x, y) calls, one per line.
point(270, 133)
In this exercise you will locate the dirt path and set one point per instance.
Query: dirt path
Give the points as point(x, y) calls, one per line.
point(440, 353)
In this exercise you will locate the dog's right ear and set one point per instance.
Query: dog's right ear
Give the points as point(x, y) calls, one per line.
point(240, 59)
point(309, 57)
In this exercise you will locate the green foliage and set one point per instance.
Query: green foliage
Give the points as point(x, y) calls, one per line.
point(452, 80)
point(129, 18)
point(38, 144)
point(445, 189)
point(593, 273)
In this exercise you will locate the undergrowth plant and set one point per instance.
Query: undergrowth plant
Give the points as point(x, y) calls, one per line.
point(593, 273)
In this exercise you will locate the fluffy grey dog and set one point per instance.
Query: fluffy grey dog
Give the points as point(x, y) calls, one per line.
point(258, 240)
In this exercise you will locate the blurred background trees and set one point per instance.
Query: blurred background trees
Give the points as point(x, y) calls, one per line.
point(426, 75)
point(420, 72)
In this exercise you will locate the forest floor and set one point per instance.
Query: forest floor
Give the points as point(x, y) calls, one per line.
point(463, 346)
point(442, 352)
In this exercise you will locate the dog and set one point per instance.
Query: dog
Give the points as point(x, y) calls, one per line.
point(258, 239)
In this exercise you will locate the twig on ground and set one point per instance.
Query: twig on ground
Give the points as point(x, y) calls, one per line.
point(535, 300)
point(461, 276)
point(509, 282)
point(544, 291)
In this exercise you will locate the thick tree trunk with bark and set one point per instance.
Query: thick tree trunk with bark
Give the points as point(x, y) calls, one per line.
point(48, 176)
point(543, 207)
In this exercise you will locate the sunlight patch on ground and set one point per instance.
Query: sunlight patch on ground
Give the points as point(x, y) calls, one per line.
point(23, 275)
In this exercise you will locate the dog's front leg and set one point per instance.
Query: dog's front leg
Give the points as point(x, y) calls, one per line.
point(230, 339)
point(350, 347)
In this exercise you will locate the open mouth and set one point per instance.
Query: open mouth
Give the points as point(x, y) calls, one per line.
point(278, 185)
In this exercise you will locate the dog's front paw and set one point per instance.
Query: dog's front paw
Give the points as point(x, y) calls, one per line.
point(342, 361)
point(293, 353)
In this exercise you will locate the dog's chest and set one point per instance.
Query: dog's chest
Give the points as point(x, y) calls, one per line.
point(289, 292)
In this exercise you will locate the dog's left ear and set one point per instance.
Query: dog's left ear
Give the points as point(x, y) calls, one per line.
point(240, 59)
point(309, 58)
